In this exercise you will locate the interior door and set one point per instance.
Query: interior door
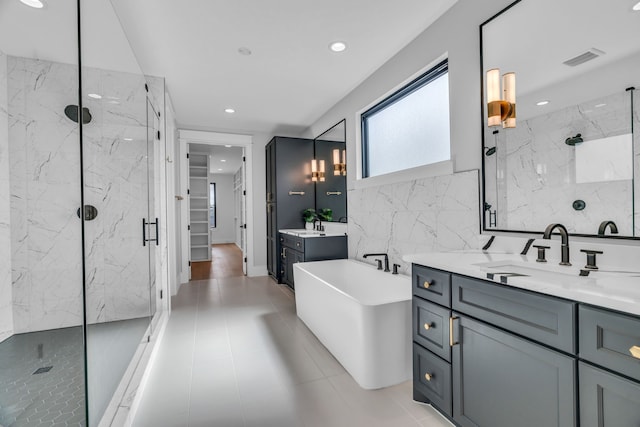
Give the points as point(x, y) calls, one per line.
point(243, 213)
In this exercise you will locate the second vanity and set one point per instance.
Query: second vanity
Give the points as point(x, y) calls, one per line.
point(500, 341)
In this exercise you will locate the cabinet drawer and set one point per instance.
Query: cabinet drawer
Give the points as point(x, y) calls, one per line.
point(293, 242)
point(431, 327)
point(433, 285)
point(432, 378)
point(607, 338)
point(607, 400)
point(541, 318)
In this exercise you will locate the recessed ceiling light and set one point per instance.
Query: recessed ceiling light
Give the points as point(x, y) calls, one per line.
point(222, 160)
point(94, 96)
point(599, 105)
point(33, 3)
point(128, 139)
point(636, 7)
point(337, 46)
point(229, 110)
point(219, 169)
point(228, 146)
point(541, 103)
point(244, 51)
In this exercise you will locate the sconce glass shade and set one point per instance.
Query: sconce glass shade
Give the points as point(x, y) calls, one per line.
point(509, 87)
point(321, 171)
point(314, 170)
point(493, 97)
point(339, 167)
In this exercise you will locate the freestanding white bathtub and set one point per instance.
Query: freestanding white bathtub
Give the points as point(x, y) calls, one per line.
point(361, 315)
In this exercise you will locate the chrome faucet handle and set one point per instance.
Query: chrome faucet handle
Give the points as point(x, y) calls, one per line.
point(395, 268)
point(379, 261)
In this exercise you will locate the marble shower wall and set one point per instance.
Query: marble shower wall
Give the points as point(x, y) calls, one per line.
point(636, 158)
point(6, 309)
point(423, 215)
point(534, 181)
point(45, 194)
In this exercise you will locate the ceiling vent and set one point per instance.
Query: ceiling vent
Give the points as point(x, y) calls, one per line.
point(592, 53)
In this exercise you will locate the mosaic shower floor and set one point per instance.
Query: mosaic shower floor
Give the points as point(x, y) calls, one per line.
point(42, 373)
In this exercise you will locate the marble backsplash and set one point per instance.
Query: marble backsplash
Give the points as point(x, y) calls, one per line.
point(45, 194)
point(532, 179)
point(6, 309)
point(423, 215)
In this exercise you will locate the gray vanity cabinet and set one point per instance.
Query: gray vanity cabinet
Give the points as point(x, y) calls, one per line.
point(299, 249)
point(502, 380)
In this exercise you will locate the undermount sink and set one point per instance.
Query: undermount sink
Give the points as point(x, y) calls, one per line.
point(546, 270)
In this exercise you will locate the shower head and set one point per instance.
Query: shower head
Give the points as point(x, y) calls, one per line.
point(574, 140)
point(490, 151)
point(71, 111)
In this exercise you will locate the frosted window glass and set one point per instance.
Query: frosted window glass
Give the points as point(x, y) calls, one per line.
point(413, 131)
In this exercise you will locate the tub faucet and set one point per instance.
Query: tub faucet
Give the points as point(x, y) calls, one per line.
point(603, 227)
point(564, 234)
point(386, 260)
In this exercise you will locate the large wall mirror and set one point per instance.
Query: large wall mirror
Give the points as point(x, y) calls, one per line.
point(331, 193)
point(573, 156)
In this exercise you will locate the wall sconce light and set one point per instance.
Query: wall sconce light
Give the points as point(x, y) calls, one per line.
point(317, 174)
point(339, 167)
point(501, 109)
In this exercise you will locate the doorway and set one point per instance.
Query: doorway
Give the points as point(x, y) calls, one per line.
point(216, 210)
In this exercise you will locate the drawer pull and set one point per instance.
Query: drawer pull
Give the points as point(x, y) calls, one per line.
point(635, 351)
point(428, 376)
point(296, 193)
point(426, 284)
point(428, 326)
point(451, 342)
point(298, 244)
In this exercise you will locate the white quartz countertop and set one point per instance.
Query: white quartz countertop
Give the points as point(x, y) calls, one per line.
point(613, 288)
point(310, 233)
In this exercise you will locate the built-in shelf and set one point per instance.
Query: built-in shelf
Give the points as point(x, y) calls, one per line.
point(199, 207)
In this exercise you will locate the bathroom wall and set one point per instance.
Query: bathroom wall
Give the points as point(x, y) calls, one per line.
point(45, 194)
point(225, 209)
point(456, 35)
point(535, 167)
point(6, 316)
point(423, 215)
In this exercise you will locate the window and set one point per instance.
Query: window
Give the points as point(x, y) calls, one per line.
point(212, 205)
point(410, 128)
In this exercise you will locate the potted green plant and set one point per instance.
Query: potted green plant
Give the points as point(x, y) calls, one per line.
point(325, 214)
point(309, 216)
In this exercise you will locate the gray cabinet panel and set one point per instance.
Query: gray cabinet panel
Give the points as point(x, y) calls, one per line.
point(607, 400)
point(541, 318)
point(606, 339)
point(431, 284)
point(431, 327)
point(432, 378)
point(501, 380)
point(298, 249)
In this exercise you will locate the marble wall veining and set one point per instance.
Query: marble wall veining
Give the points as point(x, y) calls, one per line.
point(45, 195)
point(532, 175)
point(423, 215)
point(6, 309)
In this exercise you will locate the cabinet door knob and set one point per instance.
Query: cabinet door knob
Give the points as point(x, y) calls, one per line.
point(635, 351)
point(428, 326)
point(428, 376)
point(426, 284)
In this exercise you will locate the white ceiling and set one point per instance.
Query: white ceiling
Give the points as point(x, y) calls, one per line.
point(291, 78)
point(222, 160)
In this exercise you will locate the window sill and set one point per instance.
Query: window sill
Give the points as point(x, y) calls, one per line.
point(434, 169)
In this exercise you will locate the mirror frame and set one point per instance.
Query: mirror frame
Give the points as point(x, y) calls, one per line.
point(330, 170)
point(483, 113)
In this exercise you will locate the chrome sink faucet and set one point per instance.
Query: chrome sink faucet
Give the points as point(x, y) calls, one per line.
point(607, 224)
point(564, 235)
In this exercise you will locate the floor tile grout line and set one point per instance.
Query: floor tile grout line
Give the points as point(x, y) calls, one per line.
point(233, 361)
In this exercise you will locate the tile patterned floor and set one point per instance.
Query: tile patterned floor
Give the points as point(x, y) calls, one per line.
point(235, 354)
point(57, 397)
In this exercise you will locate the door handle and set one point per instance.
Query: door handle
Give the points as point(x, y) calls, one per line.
point(144, 232)
point(451, 341)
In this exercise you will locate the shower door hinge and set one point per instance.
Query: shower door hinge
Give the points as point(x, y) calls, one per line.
point(187, 155)
point(189, 227)
point(160, 293)
point(244, 159)
point(158, 135)
point(189, 263)
point(146, 88)
point(188, 191)
point(148, 338)
point(245, 259)
point(244, 192)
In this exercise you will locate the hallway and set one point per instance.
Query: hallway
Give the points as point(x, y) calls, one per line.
point(226, 261)
point(235, 354)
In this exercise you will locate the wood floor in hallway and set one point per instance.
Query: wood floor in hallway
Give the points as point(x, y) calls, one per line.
point(226, 261)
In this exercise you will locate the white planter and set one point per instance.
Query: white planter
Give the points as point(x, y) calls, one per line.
point(308, 226)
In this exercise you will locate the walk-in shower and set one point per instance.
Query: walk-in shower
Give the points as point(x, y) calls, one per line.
point(79, 173)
